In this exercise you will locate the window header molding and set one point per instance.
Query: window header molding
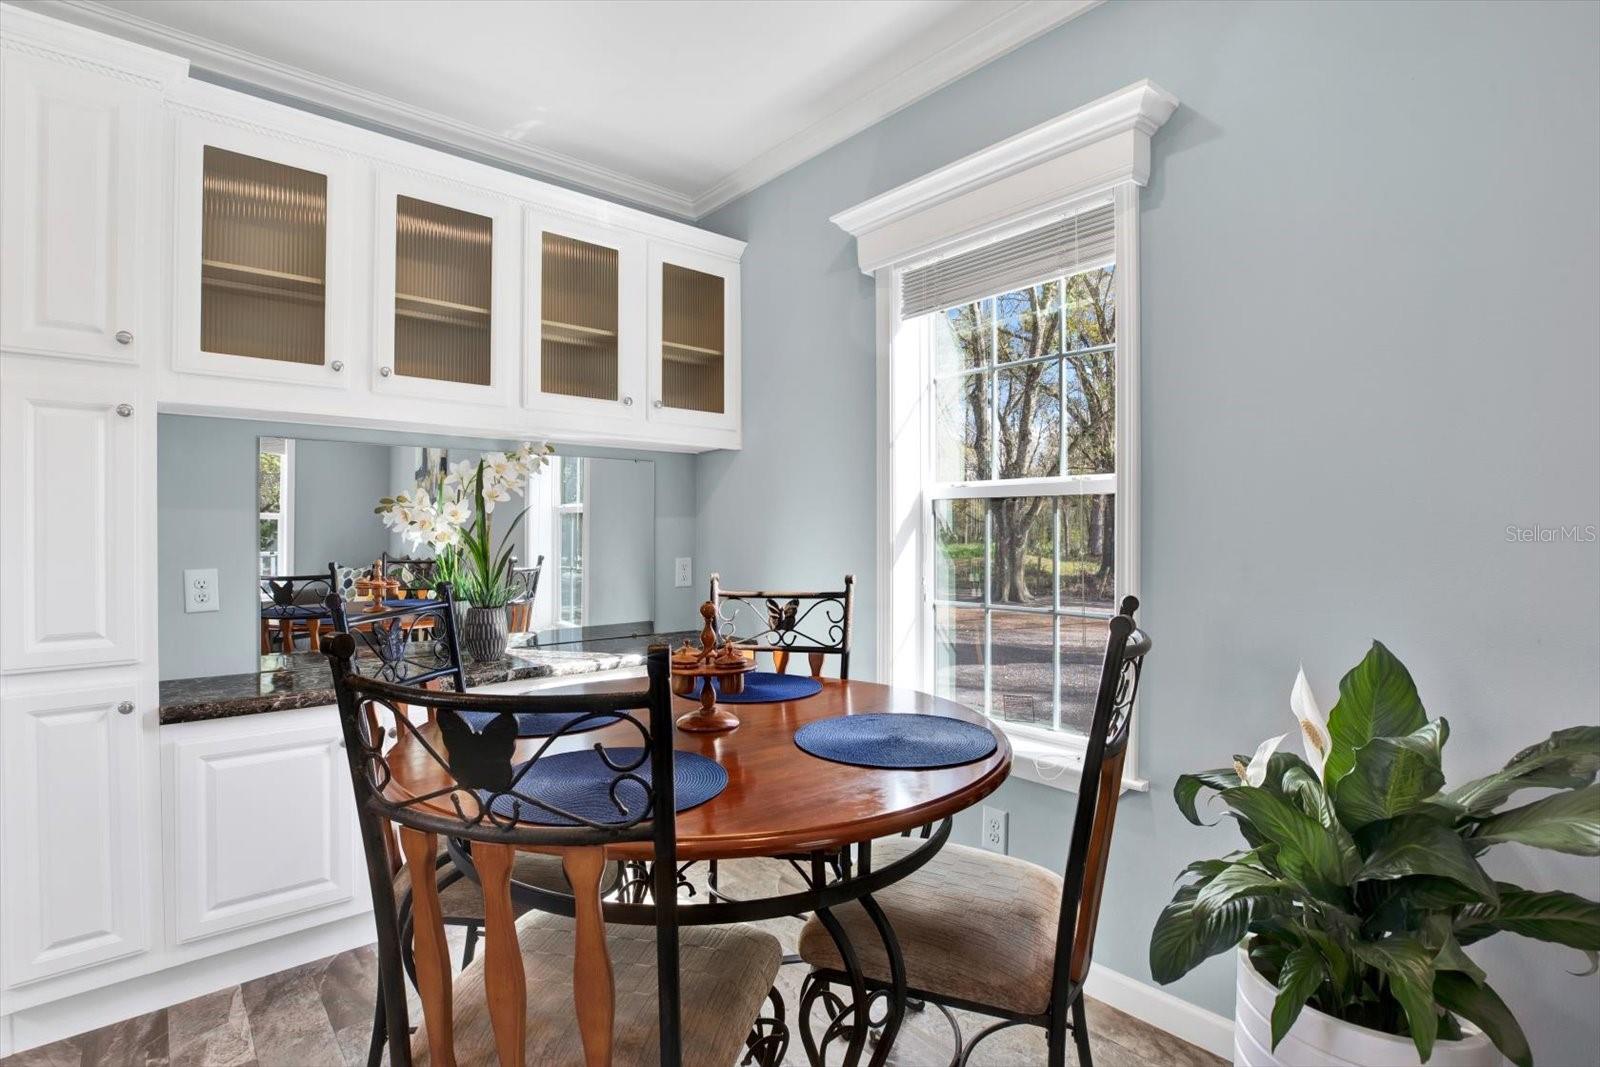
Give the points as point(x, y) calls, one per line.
point(1014, 184)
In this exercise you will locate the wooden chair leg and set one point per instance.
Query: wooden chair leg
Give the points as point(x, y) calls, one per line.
point(314, 642)
point(592, 987)
point(431, 952)
point(780, 661)
point(505, 983)
point(817, 660)
point(266, 637)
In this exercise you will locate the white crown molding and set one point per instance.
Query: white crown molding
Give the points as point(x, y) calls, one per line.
point(33, 34)
point(1040, 170)
point(298, 84)
point(1010, 27)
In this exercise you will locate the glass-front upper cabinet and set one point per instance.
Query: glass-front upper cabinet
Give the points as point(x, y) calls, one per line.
point(585, 333)
point(446, 307)
point(263, 287)
point(694, 337)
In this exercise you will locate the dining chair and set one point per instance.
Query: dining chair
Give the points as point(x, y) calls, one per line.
point(293, 603)
point(414, 574)
point(550, 990)
point(991, 933)
point(519, 612)
point(783, 623)
point(384, 647)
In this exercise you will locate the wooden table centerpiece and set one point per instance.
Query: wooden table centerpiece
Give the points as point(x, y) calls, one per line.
point(722, 661)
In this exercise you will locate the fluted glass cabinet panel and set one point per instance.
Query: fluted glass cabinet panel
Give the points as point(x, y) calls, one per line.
point(443, 278)
point(264, 241)
point(692, 339)
point(578, 331)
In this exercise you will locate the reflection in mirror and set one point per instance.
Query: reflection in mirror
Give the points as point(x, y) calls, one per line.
point(583, 546)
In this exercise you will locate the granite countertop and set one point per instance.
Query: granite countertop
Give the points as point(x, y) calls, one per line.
point(303, 679)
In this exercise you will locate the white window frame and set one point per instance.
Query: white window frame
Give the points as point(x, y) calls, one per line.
point(285, 513)
point(581, 509)
point(1045, 173)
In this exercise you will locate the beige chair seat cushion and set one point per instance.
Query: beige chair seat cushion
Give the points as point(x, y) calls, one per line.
point(726, 973)
point(972, 925)
point(461, 899)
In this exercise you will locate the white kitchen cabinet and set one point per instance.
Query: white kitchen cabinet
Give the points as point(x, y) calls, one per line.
point(584, 339)
point(265, 284)
point(75, 833)
point(693, 346)
point(263, 820)
point(76, 149)
point(72, 439)
point(447, 262)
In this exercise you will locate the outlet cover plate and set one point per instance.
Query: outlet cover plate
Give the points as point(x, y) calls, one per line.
point(993, 831)
point(683, 572)
point(200, 591)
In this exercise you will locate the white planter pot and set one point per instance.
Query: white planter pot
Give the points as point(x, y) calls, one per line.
point(1316, 1039)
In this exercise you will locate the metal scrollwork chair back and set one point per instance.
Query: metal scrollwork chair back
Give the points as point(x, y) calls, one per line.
point(405, 645)
point(486, 795)
point(294, 604)
point(783, 623)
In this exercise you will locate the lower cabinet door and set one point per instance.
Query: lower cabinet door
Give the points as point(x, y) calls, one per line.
point(263, 820)
point(73, 889)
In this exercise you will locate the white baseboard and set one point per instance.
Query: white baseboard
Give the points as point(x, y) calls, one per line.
point(78, 1014)
point(1161, 1009)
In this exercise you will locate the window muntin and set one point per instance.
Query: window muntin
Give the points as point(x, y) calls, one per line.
point(1022, 481)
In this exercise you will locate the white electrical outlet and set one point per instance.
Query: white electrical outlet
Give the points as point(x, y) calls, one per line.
point(993, 833)
point(682, 574)
point(200, 591)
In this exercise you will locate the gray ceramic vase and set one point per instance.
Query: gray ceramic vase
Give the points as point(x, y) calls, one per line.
point(485, 634)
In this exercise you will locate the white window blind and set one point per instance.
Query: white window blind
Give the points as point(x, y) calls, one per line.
point(1059, 248)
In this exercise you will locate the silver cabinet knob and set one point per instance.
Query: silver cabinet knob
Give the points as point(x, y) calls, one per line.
point(125, 708)
point(125, 410)
point(124, 337)
point(336, 366)
point(627, 401)
point(657, 404)
point(384, 372)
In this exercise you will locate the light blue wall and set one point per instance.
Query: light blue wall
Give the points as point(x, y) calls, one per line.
point(206, 500)
point(1371, 260)
point(333, 480)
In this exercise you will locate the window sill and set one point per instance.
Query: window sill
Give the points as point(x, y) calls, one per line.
point(1057, 764)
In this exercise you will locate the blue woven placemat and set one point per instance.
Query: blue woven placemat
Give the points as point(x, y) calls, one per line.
point(580, 782)
point(295, 611)
point(900, 742)
point(540, 723)
point(765, 687)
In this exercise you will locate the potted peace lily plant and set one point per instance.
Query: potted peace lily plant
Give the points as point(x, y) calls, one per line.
point(1361, 885)
point(450, 513)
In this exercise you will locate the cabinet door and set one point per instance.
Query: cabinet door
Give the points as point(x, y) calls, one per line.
point(264, 284)
point(694, 338)
point(74, 877)
point(263, 822)
point(446, 263)
point(584, 347)
point(69, 527)
point(73, 173)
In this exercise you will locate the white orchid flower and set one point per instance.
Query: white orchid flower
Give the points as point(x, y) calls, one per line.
point(494, 493)
point(1313, 726)
point(455, 513)
point(444, 536)
point(1256, 772)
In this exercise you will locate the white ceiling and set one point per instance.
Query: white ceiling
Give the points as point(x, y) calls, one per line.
point(679, 105)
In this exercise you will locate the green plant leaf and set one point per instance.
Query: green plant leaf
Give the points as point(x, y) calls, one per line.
point(1188, 787)
point(1377, 698)
point(1557, 917)
point(1415, 845)
point(1482, 1006)
point(1408, 964)
point(1185, 934)
point(1567, 759)
point(1301, 784)
point(1238, 880)
point(1302, 973)
point(1392, 775)
point(1563, 822)
point(1306, 853)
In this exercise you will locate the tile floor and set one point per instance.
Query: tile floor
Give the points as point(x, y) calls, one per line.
point(319, 1015)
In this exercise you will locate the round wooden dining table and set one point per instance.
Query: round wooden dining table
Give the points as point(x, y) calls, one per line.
point(780, 801)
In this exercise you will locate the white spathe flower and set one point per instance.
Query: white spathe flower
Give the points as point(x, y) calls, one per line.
point(1256, 772)
point(1313, 726)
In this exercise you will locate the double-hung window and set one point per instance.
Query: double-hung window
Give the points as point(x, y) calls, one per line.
point(572, 542)
point(275, 505)
point(1019, 349)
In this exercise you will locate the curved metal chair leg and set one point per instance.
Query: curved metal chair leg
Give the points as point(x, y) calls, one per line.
point(1080, 1032)
point(768, 1041)
point(470, 949)
point(380, 1033)
point(966, 1050)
